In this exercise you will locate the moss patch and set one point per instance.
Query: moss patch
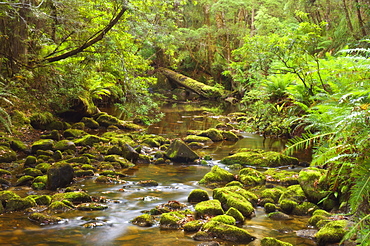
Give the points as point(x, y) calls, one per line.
point(217, 175)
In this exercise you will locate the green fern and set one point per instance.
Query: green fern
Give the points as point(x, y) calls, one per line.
point(5, 119)
point(308, 140)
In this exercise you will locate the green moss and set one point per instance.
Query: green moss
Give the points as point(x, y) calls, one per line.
point(124, 163)
point(287, 206)
point(41, 179)
point(236, 214)
point(269, 207)
point(90, 123)
point(193, 226)
point(41, 120)
point(30, 161)
point(270, 241)
point(212, 133)
point(74, 197)
point(230, 136)
point(24, 180)
point(7, 154)
point(42, 144)
point(17, 204)
point(332, 232)
point(218, 175)
point(321, 212)
point(73, 133)
point(282, 177)
point(226, 232)
point(91, 206)
point(64, 145)
point(313, 184)
point(4, 172)
point(44, 218)
point(32, 172)
point(261, 158)
point(198, 195)
point(315, 219)
point(251, 177)
point(234, 183)
point(84, 173)
point(43, 200)
point(38, 186)
point(273, 193)
point(226, 219)
point(305, 208)
point(231, 190)
point(293, 193)
point(90, 140)
point(43, 167)
point(144, 220)
point(172, 220)
point(7, 195)
point(59, 207)
point(199, 139)
point(210, 207)
point(106, 120)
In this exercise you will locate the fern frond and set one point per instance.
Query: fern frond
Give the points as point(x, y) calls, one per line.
point(363, 226)
point(360, 192)
point(306, 141)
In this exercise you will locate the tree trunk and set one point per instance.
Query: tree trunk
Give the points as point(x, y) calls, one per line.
point(199, 88)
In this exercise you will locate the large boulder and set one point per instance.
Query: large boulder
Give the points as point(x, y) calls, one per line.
point(7, 154)
point(209, 208)
point(59, 175)
point(332, 232)
point(312, 181)
point(42, 144)
point(178, 151)
point(217, 175)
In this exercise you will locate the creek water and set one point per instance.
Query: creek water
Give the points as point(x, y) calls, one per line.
point(126, 201)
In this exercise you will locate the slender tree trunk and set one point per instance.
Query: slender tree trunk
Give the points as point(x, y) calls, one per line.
point(348, 17)
point(360, 19)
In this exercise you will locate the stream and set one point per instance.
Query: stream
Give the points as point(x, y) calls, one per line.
point(126, 201)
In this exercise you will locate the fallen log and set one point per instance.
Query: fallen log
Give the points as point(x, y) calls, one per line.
point(199, 88)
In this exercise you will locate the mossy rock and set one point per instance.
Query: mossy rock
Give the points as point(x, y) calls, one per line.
point(7, 154)
point(173, 220)
point(34, 172)
point(279, 216)
point(178, 151)
point(59, 207)
point(65, 145)
point(74, 133)
point(91, 206)
point(5, 172)
point(321, 212)
point(41, 120)
point(74, 197)
point(38, 185)
point(197, 139)
point(212, 133)
point(90, 123)
point(251, 177)
point(44, 219)
point(230, 136)
point(293, 193)
point(316, 219)
point(273, 193)
point(42, 144)
point(7, 195)
point(144, 220)
point(236, 214)
point(198, 195)
point(260, 158)
point(90, 140)
point(193, 226)
point(226, 232)
point(235, 183)
point(78, 125)
point(210, 207)
point(18, 204)
point(123, 162)
point(112, 173)
point(305, 208)
point(59, 175)
point(88, 167)
point(226, 219)
point(24, 180)
point(107, 120)
point(30, 161)
point(84, 173)
point(18, 145)
point(40, 152)
point(43, 167)
point(287, 206)
point(312, 181)
point(4, 182)
point(270, 241)
point(80, 159)
point(217, 175)
point(54, 134)
point(332, 232)
point(281, 177)
point(221, 193)
point(43, 199)
point(269, 207)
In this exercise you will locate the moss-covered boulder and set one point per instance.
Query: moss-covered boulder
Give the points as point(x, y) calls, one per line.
point(251, 177)
point(43, 167)
point(312, 181)
point(147, 183)
point(198, 195)
point(42, 144)
point(279, 216)
point(44, 219)
point(193, 226)
point(209, 208)
point(269, 207)
point(24, 180)
point(7, 154)
point(17, 204)
point(219, 230)
point(59, 207)
point(260, 158)
point(212, 133)
point(226, 219)
point(76, 197)
point(65, 145)
point(198, 139)
point(217, 175)
point(42, 199)
point(273, 193)
point(59, 175)
point(236, 214)
point(305, 208)
point(90, 140)
point(332, 232)
point(144, 220)
point(270, 241)
point(54, 134)
point(91, 206)
point(287, 206)
point(34, 172)
point(90, 123)
point(106, 120)
point(178, 151)
point(6, 195)
point(281, 177)
point(123, 162)
point(230, 136)
point(173, 220)
point(220, 194)
point(73, 133)
point(30, 161)
point(293, 193)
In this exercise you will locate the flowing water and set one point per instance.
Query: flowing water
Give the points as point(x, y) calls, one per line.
point(126, 201)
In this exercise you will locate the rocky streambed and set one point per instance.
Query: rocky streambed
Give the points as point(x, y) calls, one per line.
point(108, 182)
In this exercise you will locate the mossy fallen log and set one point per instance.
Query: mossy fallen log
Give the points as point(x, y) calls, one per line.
point(199, 88)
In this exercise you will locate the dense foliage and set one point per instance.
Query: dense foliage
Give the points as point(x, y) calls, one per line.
point(299, 68)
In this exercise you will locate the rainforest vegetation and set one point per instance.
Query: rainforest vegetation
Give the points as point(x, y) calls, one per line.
point(299, 69)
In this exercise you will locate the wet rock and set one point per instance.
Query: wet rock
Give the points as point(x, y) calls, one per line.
point(178, 151)
point(251, 177)
point(59, 176)
point(193, 226)
point(217, 175)
point(230, 136)
point(316, 219)
point(287, 206)
point(7, 154)
point(173, 220)
point(312, 182)
point(213, 243)
point(91, 206)
point(210, 207)
point(281, 177)
point(144, 220)
point(226, 219)
point(65, 145)
point(332, 232)
point(279, 216)
point(42, 199)
point(270, 241)
point(305, 208)
point(269, 207)
point(239, 217)
point(308, 233)
point(90, 122)
point(214, 134)
point(198, 195)
point(7, 195)
point(24, 181)
point(84, 173)
point(197, 139)
point(293, 193)
point(260, 158)
point(59, 207)
point(32, 172)
point(44, 219)
point(17, 204)
point(90, 140)
point(147, 183)
point(30, 161)
point(215, 229)
point(76, 197)
point(129, 153)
